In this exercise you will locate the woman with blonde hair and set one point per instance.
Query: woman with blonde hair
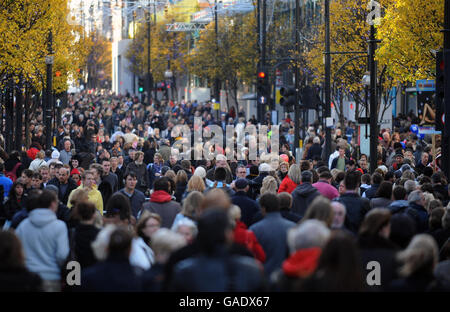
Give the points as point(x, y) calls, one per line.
point(292, 180)
point(418, 262)
point(320, 209)
point(190, 204)
point(79, 195)
point(269, 185)
point(196, 183)
point(38, 161)
point(283, 170)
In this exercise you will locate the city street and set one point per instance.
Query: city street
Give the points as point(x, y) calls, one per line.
point(224, 146)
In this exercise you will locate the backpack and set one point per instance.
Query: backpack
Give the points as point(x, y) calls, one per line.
point(13, 173)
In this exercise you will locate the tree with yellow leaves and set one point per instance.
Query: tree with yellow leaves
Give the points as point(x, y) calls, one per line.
point(234, 61)
point(99, 62)
point(25, 27)
point(165, 46)
point(410, 33)
point(349, 32)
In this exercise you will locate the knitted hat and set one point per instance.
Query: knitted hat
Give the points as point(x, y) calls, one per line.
point(55, 155)
point(201, 172)
point(75, 171)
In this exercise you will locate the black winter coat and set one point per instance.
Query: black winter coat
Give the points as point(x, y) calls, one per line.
point(249, 207)
point(302, 196)
point(19, 280)
point(179, 191)
point(12, 206)
point(84, 235)
point(71, 186)
point(313, 151)
point(112, 275)
point(218, 272)
point(356, 207)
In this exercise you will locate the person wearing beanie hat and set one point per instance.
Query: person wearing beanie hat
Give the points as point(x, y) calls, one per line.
point(201, 172)
point(76, 176)
point(55, 158)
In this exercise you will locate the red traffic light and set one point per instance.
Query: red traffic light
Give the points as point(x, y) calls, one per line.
point(261, 74)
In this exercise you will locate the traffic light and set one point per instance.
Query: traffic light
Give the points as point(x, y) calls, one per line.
point(287, 97)
point(141, 84)
point(309, 98)
point(263, 87)
point(439, 98)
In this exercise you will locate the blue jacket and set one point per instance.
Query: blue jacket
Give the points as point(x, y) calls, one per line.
point(7, 184)
point(136, 201)
point(45, 243)
point(271, 233)
point(398, 206)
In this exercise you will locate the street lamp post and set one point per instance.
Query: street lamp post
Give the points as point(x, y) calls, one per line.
point(297, 78)
point(327, 80)
point(49, 95)
point(149, 74)
point(445, 148)
point(134, 57)
point(373, 101)
point(216, 30)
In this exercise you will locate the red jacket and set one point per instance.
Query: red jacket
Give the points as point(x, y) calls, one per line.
point(287, 185)
point(302, 263)
point(248, 239)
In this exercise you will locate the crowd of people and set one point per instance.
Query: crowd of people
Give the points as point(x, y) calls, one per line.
point(115, 196)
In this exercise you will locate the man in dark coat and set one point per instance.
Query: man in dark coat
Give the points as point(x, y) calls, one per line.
point(271, 232)
point(355, 206)
point(249, 207)
point(216, 268)
point(417, 211)
point(315, 149)
point(304, 194)
point(64, 183)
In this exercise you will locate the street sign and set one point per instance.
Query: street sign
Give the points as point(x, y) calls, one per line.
point(428, 130)
point(216, 106)
point(425, 85)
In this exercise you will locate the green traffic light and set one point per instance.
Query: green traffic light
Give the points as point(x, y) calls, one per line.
point(141, 89)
